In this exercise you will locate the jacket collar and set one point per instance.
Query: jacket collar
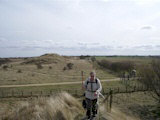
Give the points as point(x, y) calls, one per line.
point(91, 80)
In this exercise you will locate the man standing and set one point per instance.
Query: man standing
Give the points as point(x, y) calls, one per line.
point(92, 87)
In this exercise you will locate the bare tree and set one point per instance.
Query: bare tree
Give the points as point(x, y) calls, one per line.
point(150, 77)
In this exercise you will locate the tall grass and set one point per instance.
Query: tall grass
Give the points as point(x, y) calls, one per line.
point(59, 107)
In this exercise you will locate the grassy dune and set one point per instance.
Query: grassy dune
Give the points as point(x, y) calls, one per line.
point(25, 71)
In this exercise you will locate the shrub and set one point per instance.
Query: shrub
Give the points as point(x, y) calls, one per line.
point(84, 56)
point(150, 77)
point(39, 66)
point(122, 66)
point(5, 67)
point(105, 63)
point(70, 65)
point(4, 61)
point(50, 67)
point(65, 68)
point(117, 66)
point(93, 58)
point(19, 71)
point(32, 74)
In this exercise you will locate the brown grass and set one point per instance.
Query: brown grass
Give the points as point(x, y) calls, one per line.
point(30, 74)
point(60, 107)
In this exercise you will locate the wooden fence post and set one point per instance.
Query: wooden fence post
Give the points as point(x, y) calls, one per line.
point(76, 93)
point(126, 89)
point(22, 93)
point(111, 98)
point(134, 88)
point(138, 87)
point(103, 91)
point(107, 101)
point(12, 93)
point(2, 94)
point(118, 90)
point(82, 74)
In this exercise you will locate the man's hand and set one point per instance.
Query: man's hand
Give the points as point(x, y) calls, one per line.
point(95, 93)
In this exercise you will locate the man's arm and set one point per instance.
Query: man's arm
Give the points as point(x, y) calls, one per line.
point(85, 84)
point(99, 86)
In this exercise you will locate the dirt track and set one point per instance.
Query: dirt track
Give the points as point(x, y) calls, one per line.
point(47, 84)
point(115, 114)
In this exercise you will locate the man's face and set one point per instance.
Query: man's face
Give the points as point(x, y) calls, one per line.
point(92, 76)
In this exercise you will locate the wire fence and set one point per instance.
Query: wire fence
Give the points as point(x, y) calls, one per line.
point(74, 92)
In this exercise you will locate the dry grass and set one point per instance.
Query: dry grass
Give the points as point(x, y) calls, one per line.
point(60, 107)
point(30, 74)
point(138, 104)
point(116, 114)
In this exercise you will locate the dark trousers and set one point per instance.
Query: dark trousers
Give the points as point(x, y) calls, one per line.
point(91, 107)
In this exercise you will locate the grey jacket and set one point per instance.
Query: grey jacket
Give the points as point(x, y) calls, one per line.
point(91, 87)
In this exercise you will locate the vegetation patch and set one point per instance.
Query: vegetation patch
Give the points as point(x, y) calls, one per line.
point(44, 59)
point(117, 66)
point(60, 107)
point(4, 61)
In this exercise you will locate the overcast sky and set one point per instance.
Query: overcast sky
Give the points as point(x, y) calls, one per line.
point(88, 27)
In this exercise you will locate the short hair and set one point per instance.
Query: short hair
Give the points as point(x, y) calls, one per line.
point(93, 73)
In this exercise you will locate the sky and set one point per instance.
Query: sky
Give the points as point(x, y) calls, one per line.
point(79, 27)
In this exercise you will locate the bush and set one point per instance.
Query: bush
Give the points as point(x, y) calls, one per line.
point(32, 74)
point(5, 67)
point(122, 66)
point(84, 57)
point(117, 66)
point(50, 67)
point(150, 77)
point(19, 71)
point(70, 65)
point(4, 61)
point(65, 68)
point(93, 58)
point(105, 63)
point(39, 66)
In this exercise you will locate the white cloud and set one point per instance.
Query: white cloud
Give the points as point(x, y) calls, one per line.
point(147, 27)
point(2, 39)
point(104, 26)
point(146, 3)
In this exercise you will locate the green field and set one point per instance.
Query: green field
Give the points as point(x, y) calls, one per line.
point(46, 90)
point(136, 59)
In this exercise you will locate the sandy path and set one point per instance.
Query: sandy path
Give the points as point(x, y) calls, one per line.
point(115, 114)
point(47, 84)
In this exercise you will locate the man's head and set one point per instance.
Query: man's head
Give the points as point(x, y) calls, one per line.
point(92, 75)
